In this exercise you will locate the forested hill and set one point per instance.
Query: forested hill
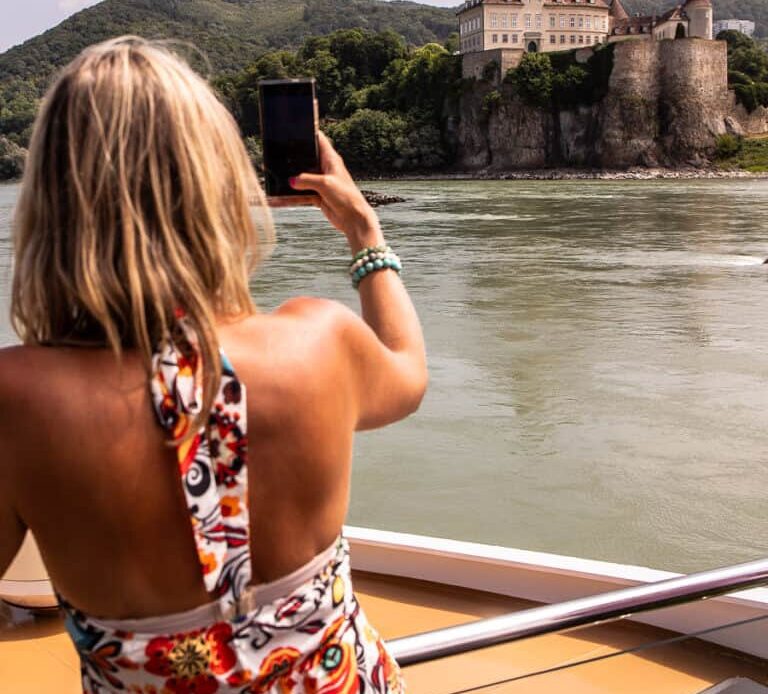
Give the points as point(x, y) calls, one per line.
point(756, 10)
point(232, 33)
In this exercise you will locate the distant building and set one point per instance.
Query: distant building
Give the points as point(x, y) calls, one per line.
point(531, 25)
point(502, 31)
point(692, 19)
point(744, 26)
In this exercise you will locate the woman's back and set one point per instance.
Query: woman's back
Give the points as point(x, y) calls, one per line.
point(97, 480)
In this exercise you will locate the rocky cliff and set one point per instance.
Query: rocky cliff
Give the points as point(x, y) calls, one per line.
point(666, 103)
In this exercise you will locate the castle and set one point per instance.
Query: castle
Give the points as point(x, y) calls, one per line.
point(502, 31)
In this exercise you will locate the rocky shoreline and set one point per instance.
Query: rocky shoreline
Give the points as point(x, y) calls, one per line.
point(634, 174)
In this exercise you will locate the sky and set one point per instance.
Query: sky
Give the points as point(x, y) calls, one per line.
point(32, 17)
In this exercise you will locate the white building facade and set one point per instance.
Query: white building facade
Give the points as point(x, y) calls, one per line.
point(532, 25)
point(745, 26)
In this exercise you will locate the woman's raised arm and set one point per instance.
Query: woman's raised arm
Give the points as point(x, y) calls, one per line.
point(386, 348)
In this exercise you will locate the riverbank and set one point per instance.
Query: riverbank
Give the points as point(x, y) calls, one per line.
point(635, 174)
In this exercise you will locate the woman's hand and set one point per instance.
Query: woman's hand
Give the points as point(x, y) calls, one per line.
point(340, 199)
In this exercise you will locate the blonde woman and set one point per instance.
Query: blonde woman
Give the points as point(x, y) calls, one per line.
point(182, 459)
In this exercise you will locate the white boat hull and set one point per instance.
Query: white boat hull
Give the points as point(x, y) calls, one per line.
point(535, 576)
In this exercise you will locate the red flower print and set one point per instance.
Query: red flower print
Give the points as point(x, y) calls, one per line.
point(190, 661)
point(223, 658)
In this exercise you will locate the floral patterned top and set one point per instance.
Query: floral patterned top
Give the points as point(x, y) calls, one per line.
point(316, 639)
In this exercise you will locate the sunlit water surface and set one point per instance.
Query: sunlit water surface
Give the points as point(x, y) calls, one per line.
point(599, 364)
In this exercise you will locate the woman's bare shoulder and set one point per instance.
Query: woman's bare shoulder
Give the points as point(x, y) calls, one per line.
point(21, 364)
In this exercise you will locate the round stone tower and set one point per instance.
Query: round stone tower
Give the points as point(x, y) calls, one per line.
point(700, 15)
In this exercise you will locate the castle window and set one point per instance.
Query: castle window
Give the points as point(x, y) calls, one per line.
point(514, 21)
point(581, 22)
point(495, 38)
point(538, 21)
point(505, 38)
point(494, 20)
point(528, 21)
point(573, 21)
point(504, 20)
point(581, 39)
point(562, 38)
point(514, 38)
point(589, 22)
point(573, 38)
point(552, 38)
point(563, 19)
point(552, 21)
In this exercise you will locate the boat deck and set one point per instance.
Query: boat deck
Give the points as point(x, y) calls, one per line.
point(36, 656)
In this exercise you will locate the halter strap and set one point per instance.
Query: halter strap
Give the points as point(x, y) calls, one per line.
point(212, 462)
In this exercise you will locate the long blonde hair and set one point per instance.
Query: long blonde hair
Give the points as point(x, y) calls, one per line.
point(137, 202)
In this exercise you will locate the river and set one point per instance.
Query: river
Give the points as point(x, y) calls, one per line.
point(599, 364)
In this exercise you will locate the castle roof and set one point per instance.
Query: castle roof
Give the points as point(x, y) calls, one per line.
point(645, 25)
point(633, 25)
point(617, 10)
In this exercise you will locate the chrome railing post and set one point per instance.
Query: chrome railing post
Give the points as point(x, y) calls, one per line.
point(577, 613)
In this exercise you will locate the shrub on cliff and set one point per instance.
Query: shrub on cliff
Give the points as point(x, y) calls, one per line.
point(532, 79)
point(728, 146)
point(11, 159)
point(557, 79)
point(571, 87)
point(747, 69)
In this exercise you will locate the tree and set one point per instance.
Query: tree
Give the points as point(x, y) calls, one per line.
point(532, 79)
point(453, 43)
point(735, 39)
point(368, 139)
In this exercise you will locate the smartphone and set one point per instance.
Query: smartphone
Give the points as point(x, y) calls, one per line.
point(289, 125)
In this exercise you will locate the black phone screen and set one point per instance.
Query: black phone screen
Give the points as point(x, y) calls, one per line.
point(289, 133)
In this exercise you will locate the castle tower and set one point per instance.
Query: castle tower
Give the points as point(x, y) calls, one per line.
point(700, 14)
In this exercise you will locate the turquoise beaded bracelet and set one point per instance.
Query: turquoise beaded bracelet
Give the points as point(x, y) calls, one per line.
point(371, 260)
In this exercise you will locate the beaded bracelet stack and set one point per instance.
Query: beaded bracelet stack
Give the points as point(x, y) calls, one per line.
point(371, 260)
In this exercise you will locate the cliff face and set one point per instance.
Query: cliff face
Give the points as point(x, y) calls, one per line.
point(666, 104)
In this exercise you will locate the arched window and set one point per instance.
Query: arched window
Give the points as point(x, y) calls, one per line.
point(680, 32)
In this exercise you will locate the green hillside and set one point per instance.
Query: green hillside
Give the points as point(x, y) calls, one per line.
point(756, 10)
point(230, 32)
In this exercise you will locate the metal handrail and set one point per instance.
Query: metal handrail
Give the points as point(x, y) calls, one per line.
point(572, 614)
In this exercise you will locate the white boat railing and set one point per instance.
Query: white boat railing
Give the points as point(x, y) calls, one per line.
point(582, 612)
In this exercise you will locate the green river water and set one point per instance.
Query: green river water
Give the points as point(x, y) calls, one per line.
point(599, 364)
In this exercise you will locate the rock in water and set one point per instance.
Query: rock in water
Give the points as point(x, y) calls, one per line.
point(379, 199)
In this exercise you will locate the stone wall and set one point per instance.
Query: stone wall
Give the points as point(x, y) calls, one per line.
point(473, 64)
point(667, 103)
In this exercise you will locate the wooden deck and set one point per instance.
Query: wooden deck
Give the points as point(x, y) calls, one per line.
point(36, 656)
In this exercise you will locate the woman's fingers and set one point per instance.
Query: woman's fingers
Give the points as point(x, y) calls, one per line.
point(330, 159)
point(308, 181)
